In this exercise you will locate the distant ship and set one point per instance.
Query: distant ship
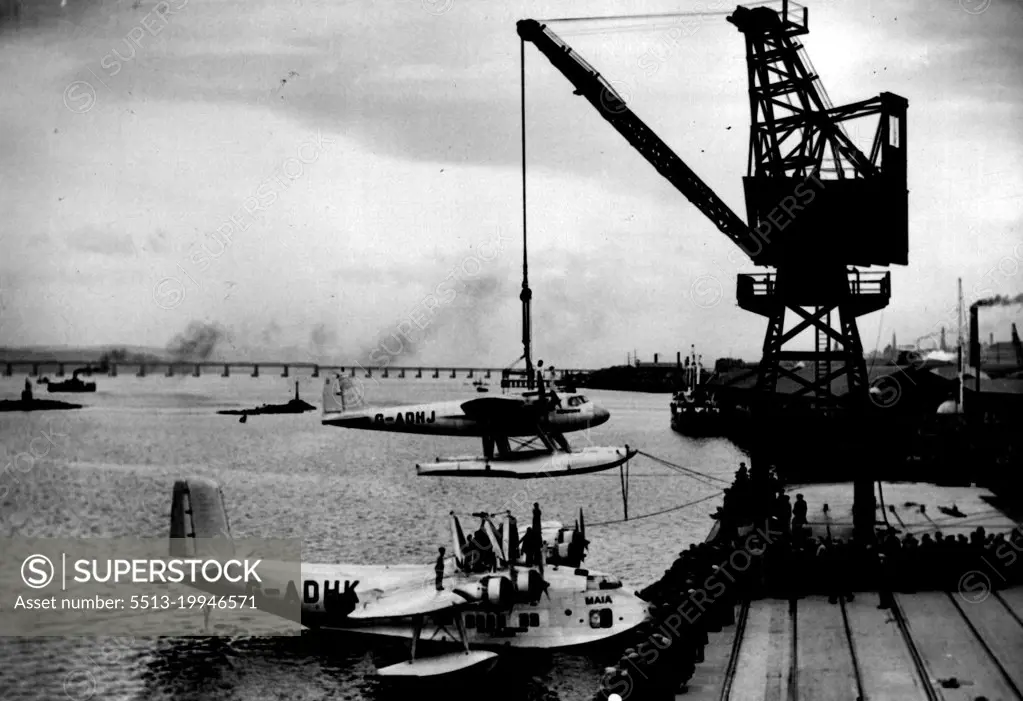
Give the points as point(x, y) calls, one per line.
point(294, 406)
point(694, 412)
point(72, 385)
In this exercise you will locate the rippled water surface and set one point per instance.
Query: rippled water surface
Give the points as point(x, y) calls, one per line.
point(351, 496)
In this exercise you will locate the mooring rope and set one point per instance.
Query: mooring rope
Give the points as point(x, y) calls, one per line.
point(696, 474)
point(655, 513)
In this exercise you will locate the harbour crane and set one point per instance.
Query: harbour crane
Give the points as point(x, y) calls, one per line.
point(818, 208)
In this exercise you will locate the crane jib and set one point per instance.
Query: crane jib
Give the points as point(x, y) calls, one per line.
point(611, 106)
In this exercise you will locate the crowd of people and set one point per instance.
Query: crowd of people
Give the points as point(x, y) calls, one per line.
point(699, 594)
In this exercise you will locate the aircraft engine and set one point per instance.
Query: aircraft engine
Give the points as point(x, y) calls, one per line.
point(495, 591)
point(528, 585)
point(568, 547)
point(500, 592)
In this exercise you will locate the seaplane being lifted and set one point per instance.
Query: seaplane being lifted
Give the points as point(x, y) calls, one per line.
point(496, 592)
point(527, 430)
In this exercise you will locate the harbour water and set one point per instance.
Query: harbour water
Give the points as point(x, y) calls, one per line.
point(352, 496)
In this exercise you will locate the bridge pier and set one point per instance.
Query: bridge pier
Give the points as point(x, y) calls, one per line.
point(255, 371)
point(285, 373)
point(387, 372)
point(369, 372)
point(60, 369)
point(488, 373)
point(112, 371)
point(419, 372)
point(452, 373)
point(170, 370)
point(402, 373)
point(470, 373)
point(197, 372)
point(353, 372)
point(9, 370)
point(227, 371)
point(142, 370)
point(316, 370)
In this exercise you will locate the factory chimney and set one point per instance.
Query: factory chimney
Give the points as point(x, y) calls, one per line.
point(975, 347)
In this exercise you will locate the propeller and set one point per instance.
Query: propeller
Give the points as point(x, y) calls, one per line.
point(582, 529)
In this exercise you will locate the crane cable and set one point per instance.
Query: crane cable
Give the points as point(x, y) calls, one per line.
point(659, 15)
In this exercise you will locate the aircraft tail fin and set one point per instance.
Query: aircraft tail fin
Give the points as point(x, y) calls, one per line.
point(341, 394)
point(198, 512)
point(333, 395)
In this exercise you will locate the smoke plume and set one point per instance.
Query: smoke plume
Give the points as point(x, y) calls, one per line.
point(453, 327)
point(999, 301)
point(321, 339)
point(197, 342)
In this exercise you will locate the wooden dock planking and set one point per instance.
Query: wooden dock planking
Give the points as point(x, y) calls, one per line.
point(886, 666)
point(824, 659)
point(709, 676)
point(1000, 631)
point(950, 649)
point(1013, 598)
point(839, 497)
point(765, 658)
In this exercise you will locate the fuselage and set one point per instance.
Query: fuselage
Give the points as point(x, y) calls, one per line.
point(575, 413)
point(582, 607)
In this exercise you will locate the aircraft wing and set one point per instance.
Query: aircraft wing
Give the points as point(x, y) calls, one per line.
point(483, 408)
point(408, 603)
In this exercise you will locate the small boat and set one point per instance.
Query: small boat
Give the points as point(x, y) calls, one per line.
point(481, 386)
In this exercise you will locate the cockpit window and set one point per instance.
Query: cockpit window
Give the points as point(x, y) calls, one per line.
point(575, 401)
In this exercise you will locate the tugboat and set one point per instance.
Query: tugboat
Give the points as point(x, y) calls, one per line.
point(72, 385)
point(694, 412)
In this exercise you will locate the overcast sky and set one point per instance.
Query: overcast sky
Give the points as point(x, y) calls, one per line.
point(383, 146)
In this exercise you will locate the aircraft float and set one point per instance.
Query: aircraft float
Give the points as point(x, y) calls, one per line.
point(526, 429)
point(496, 592)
